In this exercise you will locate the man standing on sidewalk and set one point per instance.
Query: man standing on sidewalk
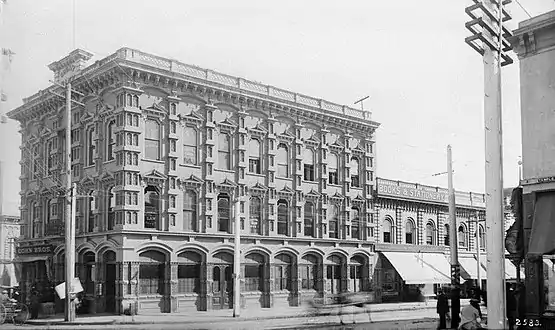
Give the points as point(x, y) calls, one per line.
point(442, 308)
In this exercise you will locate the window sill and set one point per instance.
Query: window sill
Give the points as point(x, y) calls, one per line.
point(334, 185)
point(309, 182)
point(152, 161)
point(260, 175)
point(88, 166)
point(190, 166)
point(284, 178)
point(223, 171)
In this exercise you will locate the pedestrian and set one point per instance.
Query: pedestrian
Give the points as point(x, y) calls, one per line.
point(470, 316)
point(35, 304)
point(442, 308)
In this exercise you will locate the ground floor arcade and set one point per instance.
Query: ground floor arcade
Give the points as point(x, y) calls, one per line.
point(196, 273)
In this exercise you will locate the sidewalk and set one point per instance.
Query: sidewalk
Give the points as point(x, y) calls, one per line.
point(218, 316)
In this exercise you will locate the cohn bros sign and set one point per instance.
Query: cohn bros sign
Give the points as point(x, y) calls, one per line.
point(391, 189)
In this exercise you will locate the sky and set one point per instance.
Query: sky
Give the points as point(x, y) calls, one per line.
point(425, 84)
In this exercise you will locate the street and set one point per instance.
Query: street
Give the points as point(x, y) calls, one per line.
point(294, 323)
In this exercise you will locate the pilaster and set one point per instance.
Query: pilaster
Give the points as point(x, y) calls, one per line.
point(420, 228)
point(398, 225)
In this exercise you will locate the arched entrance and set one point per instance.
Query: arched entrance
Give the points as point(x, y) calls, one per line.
point(256, 286)
point(310, 273)
point(222, 281)
point(190, 278)
point(335, 274)
point(285, 280)
point(152, 280)
point(110, 273)
point(359, 270)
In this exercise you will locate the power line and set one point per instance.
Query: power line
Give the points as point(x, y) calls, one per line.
point(521, 6)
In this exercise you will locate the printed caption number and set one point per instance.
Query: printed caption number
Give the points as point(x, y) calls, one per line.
point(528, 322)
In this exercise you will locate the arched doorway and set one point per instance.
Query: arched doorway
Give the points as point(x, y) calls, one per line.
point(109, 260)
point(359, 273)
point(190, 275)
point(285, 279)
point(222, 281)
point(152, 280)
point(255, 275)
point(335, 274)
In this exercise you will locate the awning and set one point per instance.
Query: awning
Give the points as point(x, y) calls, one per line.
point(438, 262)
point(510, 269)
point(414, 269)
point(542, 238)
point(30, 258)
point(470, 266)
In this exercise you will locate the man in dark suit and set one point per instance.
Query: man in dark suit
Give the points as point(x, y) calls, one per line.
point(442, 308)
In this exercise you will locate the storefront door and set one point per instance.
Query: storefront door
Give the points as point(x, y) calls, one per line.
point(222, 287)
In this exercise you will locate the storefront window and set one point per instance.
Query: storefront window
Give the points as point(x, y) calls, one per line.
point(549, 282)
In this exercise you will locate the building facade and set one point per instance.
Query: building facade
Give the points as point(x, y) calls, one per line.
point(534, 42)
point(11, 230)
point(165, 157)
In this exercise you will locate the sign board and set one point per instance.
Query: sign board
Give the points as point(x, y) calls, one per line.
point(76, 287)
point(390, 189)
point(47, 249)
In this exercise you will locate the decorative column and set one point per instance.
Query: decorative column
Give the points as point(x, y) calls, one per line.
point(135, 283)
point(441, 227)
point(208, 281)
point(174, 290)
point(398, 225)
point(420, 228)
point(346, 271)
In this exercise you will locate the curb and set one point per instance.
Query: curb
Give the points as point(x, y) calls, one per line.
point(225, 319)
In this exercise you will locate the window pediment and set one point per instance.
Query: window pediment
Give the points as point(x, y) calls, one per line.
point(191, 182)
point(258, 189)
point(286, 136)
point(154, 177)
point(336, 146)
point(227, 125)
point(227, 185)
point(312, 141)
point(337, 197)
point(44, 131)
point(258, 130)
point(192, 117)
point(359, 200)
point(106, 177)
point(313, 195)
point(87, 181)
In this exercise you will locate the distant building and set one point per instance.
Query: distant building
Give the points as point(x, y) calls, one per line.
point(11, 230)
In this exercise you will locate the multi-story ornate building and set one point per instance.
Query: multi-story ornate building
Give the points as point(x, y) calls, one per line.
point(165, 155)
point(10, 233)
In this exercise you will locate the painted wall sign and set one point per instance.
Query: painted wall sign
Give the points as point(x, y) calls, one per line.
point(412, 193)
point(37, 249)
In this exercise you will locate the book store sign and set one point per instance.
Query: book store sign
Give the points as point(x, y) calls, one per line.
point(411, 193)
point(35, 250)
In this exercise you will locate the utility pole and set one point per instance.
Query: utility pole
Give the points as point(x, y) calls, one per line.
point(237, 263)
point(489, 39)
point(455, 267)
point(69, 253)
point(478, 256)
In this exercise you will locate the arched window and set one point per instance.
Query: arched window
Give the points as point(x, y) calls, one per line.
point(190, 145)
point(462, 236)
point(35, 162)
point(152, 139)
point(223, 213)
point(308, 160)
point(283, 218)
point(355, 169)
point(50, 156)
point(111, 208)
point(430, 233)
point(110, 140)
point(254, 156)
point(309, 219)
point(409, 231)
point(189, 211)
point(355, 223)
point(333, 169)
point(224, 151)
point(282, 159)
point(90, 147)
point(482, 237)
point(333, 230)
point(387, 230)
point(152, 207)
point(446, 240)
point(255, 214)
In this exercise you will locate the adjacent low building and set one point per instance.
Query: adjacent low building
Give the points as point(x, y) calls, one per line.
point(10, 232)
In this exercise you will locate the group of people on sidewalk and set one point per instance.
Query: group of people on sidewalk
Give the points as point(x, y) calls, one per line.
point(471, 317)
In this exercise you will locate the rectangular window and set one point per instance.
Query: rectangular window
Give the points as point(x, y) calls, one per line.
point(387, 237)
point(152, 139)
point(173, 146)
point(188, 278)
point(254, 166)
point(308, 172)
point(333, 229)
point(224, 152)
